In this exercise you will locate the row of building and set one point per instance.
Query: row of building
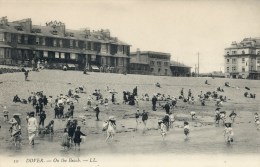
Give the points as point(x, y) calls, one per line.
point(242, 60)
point(22, 43)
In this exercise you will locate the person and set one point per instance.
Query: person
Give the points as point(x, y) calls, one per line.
point(154, 100)
point(5, 111)
point(37, 109)
point(167, 107)
point(32, 128)
point(228, 133)
point(106, 103)
point(113, 98)
point(26, 73)
point(77, 137)
point(42, 118)
point(72, 109)
point(189, 93)
point(257, 121)
point(186, 130)
point(71, 130)
point(144, 119)
point(193, 115)
point(182, 94)
point(15, 131)
point(89, 101)
point(65, 140)
point(171, 119)
point(111, 129)
point(56, 111)
point(50, 127)
point(50, 101)
point(166, 121)
point(163, 128)
point(137, 115)
point(232, 116)
point(97, 112)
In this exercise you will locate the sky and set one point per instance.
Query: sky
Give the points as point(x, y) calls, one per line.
point(181, 28)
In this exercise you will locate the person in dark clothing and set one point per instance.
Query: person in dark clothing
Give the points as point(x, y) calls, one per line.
point(113, 98)
point(135, 91)
point(56, 111)
point(97, 112)
point(34, 101)
point(61, 111)
point(154, 100)
point(167, 108)
point(41, 107)
point(77, 137)
point(71, 131)
point(40, 100)
point(72, 109)
point(37, 108)
point(42, 118)
point(125, 97)
point(45, 100)
point(26, 73)
point(166, 121)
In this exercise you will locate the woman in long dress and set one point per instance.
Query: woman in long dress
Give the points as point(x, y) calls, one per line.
point(32, 128)
point(111, 130)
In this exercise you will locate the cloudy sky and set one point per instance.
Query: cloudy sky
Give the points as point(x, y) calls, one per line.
point(182, 28)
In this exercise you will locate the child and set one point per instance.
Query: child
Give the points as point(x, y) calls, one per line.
point(111, 128)
point(15, 132)
point(144, 119)
point(77, 137)
point(193, 115)
point(228, 133)
point(50, 126)
point(163, 128)
point(5, 111)
point(257, 122)
point(106, 103)
point(232, 116)
point(137, 115)
point(186, 130)
point(171, 119)
point(65, 140)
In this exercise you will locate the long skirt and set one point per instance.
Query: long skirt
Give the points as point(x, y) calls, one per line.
point(31, 135)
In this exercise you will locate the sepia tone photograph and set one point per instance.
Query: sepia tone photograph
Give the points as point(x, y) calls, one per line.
point(129, 83)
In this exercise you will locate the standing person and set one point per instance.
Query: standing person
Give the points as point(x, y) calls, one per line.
point(163, 129)
point(106, 103)
point(45, 100)
point(136, 100)
point(144, 119)
point(186, 130)
point(50, 101)
point(228, 133)
point(65, 140)
point(5, 111)
point(257, 122)
point(26, 73)
point(97, 112)
point(166, 121)
point(137, 115)
point(72, 109)
point(15, 131)
point(37, 109)
point(154, 100)
point(42, 118)
point(189, 93)
point(61, 111)
point(71, 131)
point(77, 137)
point(167, 107)
point(182, 94)
point(232, 116)
point(111, 128)
point(217, 116)
point(171, 119)
point(56, 111)
point(32, 128)
point(89, 101)
point(113, 98)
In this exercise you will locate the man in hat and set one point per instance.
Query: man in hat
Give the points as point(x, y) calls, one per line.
point(154, 100)
point(42, 118)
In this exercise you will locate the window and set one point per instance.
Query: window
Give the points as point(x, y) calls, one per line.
point(165, 71)
point(234, 68)
point(243, 60)
point(19, 39)
point(37, 40)
point(227, 53)
point(159, 63)
point(243, 52)
point(54, 42)
point(2, 37)
point(152, 63)
point(77, 43)
point(43, 41)
point(62, 55)
point(73, 56)
point(120, 48)
point(227, 60)
point(258, 52)
point(159, 70)
point(26, 39)
point(258, 60)
point(152, 69)
point(227, 69)
point(233, 61)
point(243, 69)
point(60, 42)
point(165, 63)
point(234, 52)
point(57, 55)
point(45, 54)
point(8, 37)
point(71, 43)
point(91, 45)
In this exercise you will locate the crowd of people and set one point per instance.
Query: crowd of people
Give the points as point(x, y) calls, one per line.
point(73, 135)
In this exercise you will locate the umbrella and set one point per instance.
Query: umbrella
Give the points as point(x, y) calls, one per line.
point(112, 118)
point(247, 88)
point(217, 108)
point(18, 114)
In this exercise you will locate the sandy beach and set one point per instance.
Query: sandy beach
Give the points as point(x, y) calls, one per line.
point(205, 137)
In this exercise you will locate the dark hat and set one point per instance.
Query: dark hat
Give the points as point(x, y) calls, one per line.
point(32, 113)
point(186, 123)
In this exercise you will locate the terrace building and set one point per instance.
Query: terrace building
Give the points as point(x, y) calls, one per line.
point(180, 69)
point(149, 62)
point(242, 60)
point(22, 43)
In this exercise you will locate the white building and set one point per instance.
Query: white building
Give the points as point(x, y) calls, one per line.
point(242, 60)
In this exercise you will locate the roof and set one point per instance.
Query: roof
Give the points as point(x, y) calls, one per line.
point(102, 36)
point(177, 64)
point(151, 52)
point(246, 43)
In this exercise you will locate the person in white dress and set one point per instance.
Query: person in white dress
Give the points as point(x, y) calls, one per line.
point(111, 130)
point(32, 128)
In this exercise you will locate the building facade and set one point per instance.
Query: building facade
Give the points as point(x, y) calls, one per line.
point(242, 60)
point(22, 43)
point(149, 62)
point(180, 69)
